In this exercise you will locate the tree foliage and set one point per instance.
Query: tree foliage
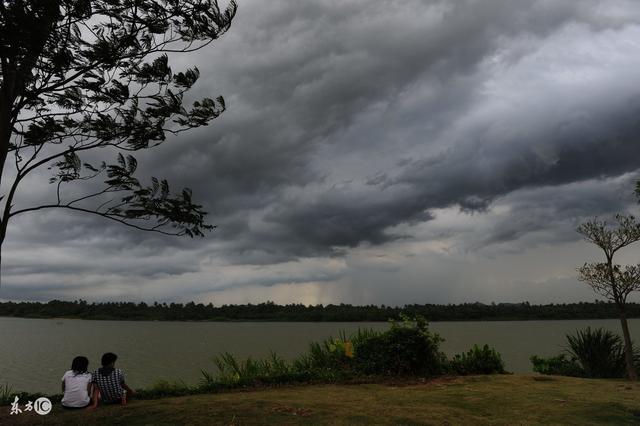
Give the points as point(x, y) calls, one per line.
point(615, 282)
point(78, 76)
point(611, 238)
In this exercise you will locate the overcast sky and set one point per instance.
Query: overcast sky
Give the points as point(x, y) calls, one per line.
point(374, 151)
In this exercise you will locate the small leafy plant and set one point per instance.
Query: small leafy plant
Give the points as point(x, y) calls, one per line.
point(560, 365)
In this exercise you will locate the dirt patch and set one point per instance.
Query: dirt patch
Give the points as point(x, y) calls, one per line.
point(543, 379)
point(302, 412)
point(401, 382)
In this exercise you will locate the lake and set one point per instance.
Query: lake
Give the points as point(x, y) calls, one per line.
point(34, 353)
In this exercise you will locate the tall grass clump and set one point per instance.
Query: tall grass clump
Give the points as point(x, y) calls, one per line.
point(594, 353)
point(325, 361)
point(6, 394)
point(233, 372)
point(600, 352)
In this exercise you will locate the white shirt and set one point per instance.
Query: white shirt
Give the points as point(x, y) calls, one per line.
point(75, 389)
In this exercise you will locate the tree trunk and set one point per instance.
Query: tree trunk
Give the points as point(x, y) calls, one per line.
point(628, 349)
point(3, 233)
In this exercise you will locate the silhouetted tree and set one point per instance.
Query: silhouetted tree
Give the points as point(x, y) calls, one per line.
point(88, 75)
point(615, 282)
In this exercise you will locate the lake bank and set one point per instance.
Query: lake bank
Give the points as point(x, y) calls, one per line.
point(480, 400)
point(36, 353)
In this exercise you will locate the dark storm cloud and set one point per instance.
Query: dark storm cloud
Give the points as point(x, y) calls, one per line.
point(471, 173)
point(342, 219)
point(349, 121)
point(313, 84)
point(551, 214)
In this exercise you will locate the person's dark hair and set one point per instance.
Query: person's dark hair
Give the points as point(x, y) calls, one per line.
point(108, 358)
point(80, 364)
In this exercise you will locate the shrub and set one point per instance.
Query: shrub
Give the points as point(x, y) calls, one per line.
point(557, 365)
point(408, 348)
point(477, 360)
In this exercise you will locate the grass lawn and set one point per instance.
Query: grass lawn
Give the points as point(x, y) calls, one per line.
point(477, 400)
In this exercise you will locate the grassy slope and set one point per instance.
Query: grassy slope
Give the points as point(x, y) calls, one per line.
point(508, 400)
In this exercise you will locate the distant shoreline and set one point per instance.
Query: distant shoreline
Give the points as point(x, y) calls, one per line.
point(310, 321)
point(271, 312)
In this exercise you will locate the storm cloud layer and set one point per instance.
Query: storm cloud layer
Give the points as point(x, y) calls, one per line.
point(377, 152)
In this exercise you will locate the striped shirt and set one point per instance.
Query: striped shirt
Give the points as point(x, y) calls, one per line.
point(109, 381)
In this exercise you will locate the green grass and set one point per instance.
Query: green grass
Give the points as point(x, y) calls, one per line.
point(477, 400)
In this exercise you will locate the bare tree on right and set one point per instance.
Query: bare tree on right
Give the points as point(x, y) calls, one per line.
point(610, 280)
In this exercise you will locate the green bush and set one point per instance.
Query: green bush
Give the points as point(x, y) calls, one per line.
point(477, 360)
point(408, 348)
point(559, 365)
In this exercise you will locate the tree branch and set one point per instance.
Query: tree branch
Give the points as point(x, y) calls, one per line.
point(106, 216)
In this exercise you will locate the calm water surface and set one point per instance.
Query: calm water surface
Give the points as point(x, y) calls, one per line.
point(35, 353)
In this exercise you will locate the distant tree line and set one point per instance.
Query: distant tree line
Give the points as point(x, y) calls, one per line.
point(270, 311)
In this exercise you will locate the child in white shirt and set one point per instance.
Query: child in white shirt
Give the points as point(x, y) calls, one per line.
point(76, 384)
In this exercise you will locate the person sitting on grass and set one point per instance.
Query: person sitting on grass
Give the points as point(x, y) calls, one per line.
point(76, 385)
point(110, 387)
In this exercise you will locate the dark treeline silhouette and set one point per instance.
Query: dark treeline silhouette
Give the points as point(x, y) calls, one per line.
point(270, 311)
